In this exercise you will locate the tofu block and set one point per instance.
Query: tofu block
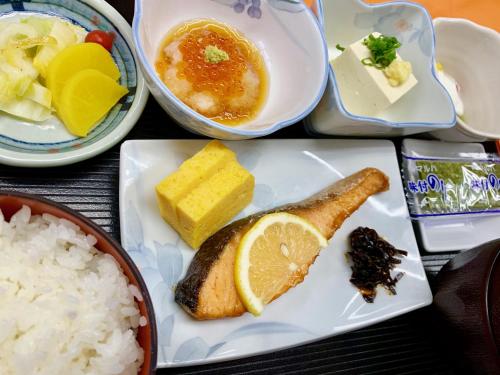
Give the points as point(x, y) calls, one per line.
point(204, 193)
point(365, 90)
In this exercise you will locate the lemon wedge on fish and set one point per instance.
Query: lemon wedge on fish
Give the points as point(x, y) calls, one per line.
point(274, 254)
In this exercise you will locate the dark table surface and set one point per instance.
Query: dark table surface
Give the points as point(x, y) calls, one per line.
point(409, 344)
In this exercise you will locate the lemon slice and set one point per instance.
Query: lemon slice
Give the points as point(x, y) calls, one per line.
point(273, 256)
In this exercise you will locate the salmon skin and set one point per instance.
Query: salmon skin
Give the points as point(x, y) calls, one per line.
point(208, 290)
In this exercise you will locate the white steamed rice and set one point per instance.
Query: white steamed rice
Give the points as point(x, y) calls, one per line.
point(65, 307)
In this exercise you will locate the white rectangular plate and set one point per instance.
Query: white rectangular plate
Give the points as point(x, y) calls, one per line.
point(326, 303)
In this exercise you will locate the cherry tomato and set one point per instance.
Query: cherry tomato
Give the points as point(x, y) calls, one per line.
point(101, 37)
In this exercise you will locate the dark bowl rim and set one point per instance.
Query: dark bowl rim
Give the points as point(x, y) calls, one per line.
point(487, 293)
point(123, 253)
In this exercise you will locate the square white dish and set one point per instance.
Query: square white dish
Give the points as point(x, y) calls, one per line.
point(326, 303)
point(452, 233)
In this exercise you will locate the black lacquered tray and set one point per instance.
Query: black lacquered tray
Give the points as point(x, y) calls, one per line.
point(409, 344)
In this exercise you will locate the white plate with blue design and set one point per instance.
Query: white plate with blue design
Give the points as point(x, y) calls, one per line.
point(48, 144)
point(325, 304)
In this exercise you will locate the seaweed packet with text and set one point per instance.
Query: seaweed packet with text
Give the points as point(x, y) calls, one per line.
point(455, 186)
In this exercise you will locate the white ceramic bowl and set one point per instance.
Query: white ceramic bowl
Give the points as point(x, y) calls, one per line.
point(470, 53)
point(426, 107)
point(288, 37)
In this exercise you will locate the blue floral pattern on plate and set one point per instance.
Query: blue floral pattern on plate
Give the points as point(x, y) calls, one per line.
point(397, 21)
point(161, 272)
point(196, 348)
point(254, 10)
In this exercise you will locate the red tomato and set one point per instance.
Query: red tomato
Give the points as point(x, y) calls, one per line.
point(101, 37)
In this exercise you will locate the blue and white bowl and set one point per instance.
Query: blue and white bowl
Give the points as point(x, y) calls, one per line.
point(285, 31)
point(49, 144)
point(426, 107)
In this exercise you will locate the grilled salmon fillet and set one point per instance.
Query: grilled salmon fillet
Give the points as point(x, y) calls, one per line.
point(208, 290)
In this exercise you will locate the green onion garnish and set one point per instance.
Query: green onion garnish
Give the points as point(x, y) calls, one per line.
point(383, 50)
point(339, 47)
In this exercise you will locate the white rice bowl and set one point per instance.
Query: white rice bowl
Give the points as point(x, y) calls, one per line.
point(65, 307)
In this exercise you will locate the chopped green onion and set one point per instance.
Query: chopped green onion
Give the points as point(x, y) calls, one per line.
point(383, 50)
point(339, 47)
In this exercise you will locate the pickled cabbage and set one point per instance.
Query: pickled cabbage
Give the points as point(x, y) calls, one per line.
point(27, 46)
point(39, 94)
point(18, 72)
point(26, 109)
point(15, 32)
point(65, 36)
point(42, 25)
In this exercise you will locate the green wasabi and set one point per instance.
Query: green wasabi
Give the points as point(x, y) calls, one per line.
point(215, 55)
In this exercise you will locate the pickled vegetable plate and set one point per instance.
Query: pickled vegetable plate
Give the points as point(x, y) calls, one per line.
point(48, 143)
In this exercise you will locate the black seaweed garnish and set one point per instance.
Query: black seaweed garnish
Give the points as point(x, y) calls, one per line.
point(373, 259)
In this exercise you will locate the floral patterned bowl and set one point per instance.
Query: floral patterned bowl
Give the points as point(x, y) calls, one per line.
point(426, 107)
point(285, 31)
point(49, 144)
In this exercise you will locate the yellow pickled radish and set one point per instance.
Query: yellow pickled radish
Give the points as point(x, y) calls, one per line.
point(86, 98)
point(74, 59)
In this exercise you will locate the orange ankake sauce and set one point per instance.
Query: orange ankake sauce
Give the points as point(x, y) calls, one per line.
point(238, 86)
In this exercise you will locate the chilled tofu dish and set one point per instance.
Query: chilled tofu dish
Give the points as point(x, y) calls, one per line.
point(371, 75)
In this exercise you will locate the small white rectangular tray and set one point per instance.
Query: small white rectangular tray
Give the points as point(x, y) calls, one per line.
point(459, 232)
